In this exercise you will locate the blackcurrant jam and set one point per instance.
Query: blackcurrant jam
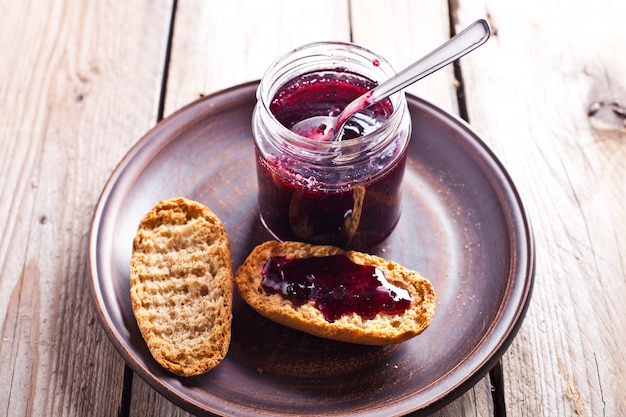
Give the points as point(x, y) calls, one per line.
point(344, 192)
point(336, 285)
point(327, 94)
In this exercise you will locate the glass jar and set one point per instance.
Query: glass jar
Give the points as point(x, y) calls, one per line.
point(344, 192)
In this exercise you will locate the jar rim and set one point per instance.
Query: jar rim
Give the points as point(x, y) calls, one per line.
point(335, 56)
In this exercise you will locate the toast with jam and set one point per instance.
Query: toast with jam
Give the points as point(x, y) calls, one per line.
point(341, 295)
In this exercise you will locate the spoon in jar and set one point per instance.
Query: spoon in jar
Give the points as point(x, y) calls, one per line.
point(328, 128)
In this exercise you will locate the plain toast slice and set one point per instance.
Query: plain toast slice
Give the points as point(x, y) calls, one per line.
point(181, 286)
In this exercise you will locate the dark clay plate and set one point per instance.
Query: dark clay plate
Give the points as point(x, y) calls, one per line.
point(463, 226)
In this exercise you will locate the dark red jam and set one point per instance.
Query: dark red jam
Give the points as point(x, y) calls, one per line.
point(336, 285)
point(295, 201)
point(327, 94)
point(356, 218)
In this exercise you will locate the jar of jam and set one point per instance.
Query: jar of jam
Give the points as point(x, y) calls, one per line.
point(344, 192)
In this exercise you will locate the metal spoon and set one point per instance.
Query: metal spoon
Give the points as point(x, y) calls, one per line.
point(328, 128)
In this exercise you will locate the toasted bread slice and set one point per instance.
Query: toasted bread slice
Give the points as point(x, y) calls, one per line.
point(383, 329)
point(181, 286)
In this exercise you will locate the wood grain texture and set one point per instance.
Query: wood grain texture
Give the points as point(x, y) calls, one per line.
point(211, 53)
point(546, 93)
point(75, 95)
point(403, 31)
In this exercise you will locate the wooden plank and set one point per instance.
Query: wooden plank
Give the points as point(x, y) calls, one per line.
point(148, 402)
point(77, 93)
point(547, 93)
point(210, 53)
point(403, 31)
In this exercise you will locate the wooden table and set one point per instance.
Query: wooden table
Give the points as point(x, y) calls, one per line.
point(82, 81)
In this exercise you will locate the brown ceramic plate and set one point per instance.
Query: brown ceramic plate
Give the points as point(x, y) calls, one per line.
point(463, 226)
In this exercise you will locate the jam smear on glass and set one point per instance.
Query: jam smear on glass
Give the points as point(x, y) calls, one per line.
point(336, 285)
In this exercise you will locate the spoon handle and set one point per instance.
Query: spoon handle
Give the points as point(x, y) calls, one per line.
point(465, 41)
